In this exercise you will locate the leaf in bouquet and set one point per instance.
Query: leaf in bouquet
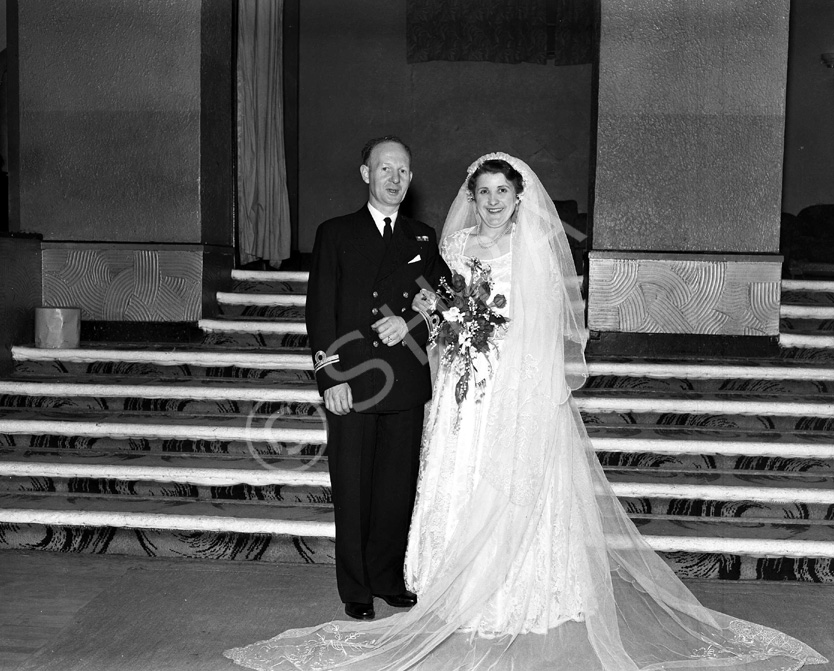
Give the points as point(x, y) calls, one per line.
point(461, 388)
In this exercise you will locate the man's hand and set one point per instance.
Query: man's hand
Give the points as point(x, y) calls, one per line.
point(391, 330)
point(339, 399)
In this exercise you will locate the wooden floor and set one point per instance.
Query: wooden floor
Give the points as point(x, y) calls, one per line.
point(41, 593)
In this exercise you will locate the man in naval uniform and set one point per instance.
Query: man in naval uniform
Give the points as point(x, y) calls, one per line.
point(369, 359)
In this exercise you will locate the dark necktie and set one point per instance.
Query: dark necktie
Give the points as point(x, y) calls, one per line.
point(387, 232)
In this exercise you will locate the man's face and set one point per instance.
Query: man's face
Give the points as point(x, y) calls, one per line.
point(387, 175)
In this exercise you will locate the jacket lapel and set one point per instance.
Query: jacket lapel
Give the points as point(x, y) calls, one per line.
point(366, 238)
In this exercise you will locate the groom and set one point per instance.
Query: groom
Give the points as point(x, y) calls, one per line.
point(369, 360)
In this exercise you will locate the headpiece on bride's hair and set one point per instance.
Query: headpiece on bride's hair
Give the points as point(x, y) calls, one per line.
point(543, 272)
point(517, 165)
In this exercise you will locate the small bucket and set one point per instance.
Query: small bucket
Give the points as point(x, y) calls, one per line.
point(57, 328)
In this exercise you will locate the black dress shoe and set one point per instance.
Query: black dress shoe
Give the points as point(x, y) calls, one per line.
point(360, 611)
point(405, 599)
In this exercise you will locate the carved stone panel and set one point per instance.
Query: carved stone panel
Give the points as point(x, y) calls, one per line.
point(684, 293)
point(124, 284)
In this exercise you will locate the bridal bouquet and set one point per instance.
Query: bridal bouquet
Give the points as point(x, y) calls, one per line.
point(467, 332)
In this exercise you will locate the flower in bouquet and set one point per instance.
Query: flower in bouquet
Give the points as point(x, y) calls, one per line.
point(470, 321)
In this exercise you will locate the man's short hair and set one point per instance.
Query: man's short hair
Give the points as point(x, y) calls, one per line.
point(370, 144)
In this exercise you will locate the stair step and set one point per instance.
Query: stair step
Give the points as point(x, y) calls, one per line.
point(206, 470)
point(276, 300)
point(806, 341)
point(294, 429)
point(614, 453)
point(299, 480)
point(783, 369)
point(270, 275)
point(770, 488)
point(171, 477)
point(274, 360)
point(711, 370)
point(735, 536)
point(226, 516)
point(619, 401)
point(253, 326)
point(709, 441)
point(245, 390)
point(593, 400)
point(738, 537)
point(822, 286)
point(764, 424)
point(797, 311)
point(292, 315)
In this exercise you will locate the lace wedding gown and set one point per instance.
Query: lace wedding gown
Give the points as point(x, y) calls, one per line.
point(545, 584)
point(521, 555)
point(514, 574)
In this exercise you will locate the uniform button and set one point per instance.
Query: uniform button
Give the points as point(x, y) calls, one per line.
point(376, 343)
point(402, 309)
point(375, 294)
point(402, 342)
point(374, 311)
point(405, 294)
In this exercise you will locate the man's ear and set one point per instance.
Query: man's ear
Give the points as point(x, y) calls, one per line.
point(365, 171)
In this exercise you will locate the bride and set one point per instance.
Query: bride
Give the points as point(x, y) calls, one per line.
point(522, 557)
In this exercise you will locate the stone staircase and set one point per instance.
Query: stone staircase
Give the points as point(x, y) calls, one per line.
point(216, 450)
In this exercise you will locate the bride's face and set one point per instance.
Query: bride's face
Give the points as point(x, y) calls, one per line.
point(494, 199)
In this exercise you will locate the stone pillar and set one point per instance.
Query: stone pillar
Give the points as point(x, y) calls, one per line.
point(687, 201)
point(125, 162)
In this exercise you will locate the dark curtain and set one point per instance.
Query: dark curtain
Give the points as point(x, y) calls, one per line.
point(570, 35)
point(500, 31)
point(263, 201)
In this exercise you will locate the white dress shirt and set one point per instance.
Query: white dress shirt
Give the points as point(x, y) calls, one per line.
point(379, 218)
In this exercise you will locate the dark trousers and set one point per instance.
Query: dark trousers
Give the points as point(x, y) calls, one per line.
point(374, 460)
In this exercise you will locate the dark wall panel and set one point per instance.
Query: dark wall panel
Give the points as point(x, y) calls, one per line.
point(809, 131)
point(355, 84)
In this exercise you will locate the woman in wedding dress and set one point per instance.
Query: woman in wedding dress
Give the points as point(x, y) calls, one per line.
point(521, 555)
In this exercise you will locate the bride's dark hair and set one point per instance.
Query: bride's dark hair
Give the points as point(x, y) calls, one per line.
point(495, 167)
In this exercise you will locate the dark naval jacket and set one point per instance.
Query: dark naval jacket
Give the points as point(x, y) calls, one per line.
point(355, 281)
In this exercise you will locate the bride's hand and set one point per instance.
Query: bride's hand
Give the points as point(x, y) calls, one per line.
point(425, 301)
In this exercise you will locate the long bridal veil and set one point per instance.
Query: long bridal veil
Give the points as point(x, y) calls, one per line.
point(542, 550)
